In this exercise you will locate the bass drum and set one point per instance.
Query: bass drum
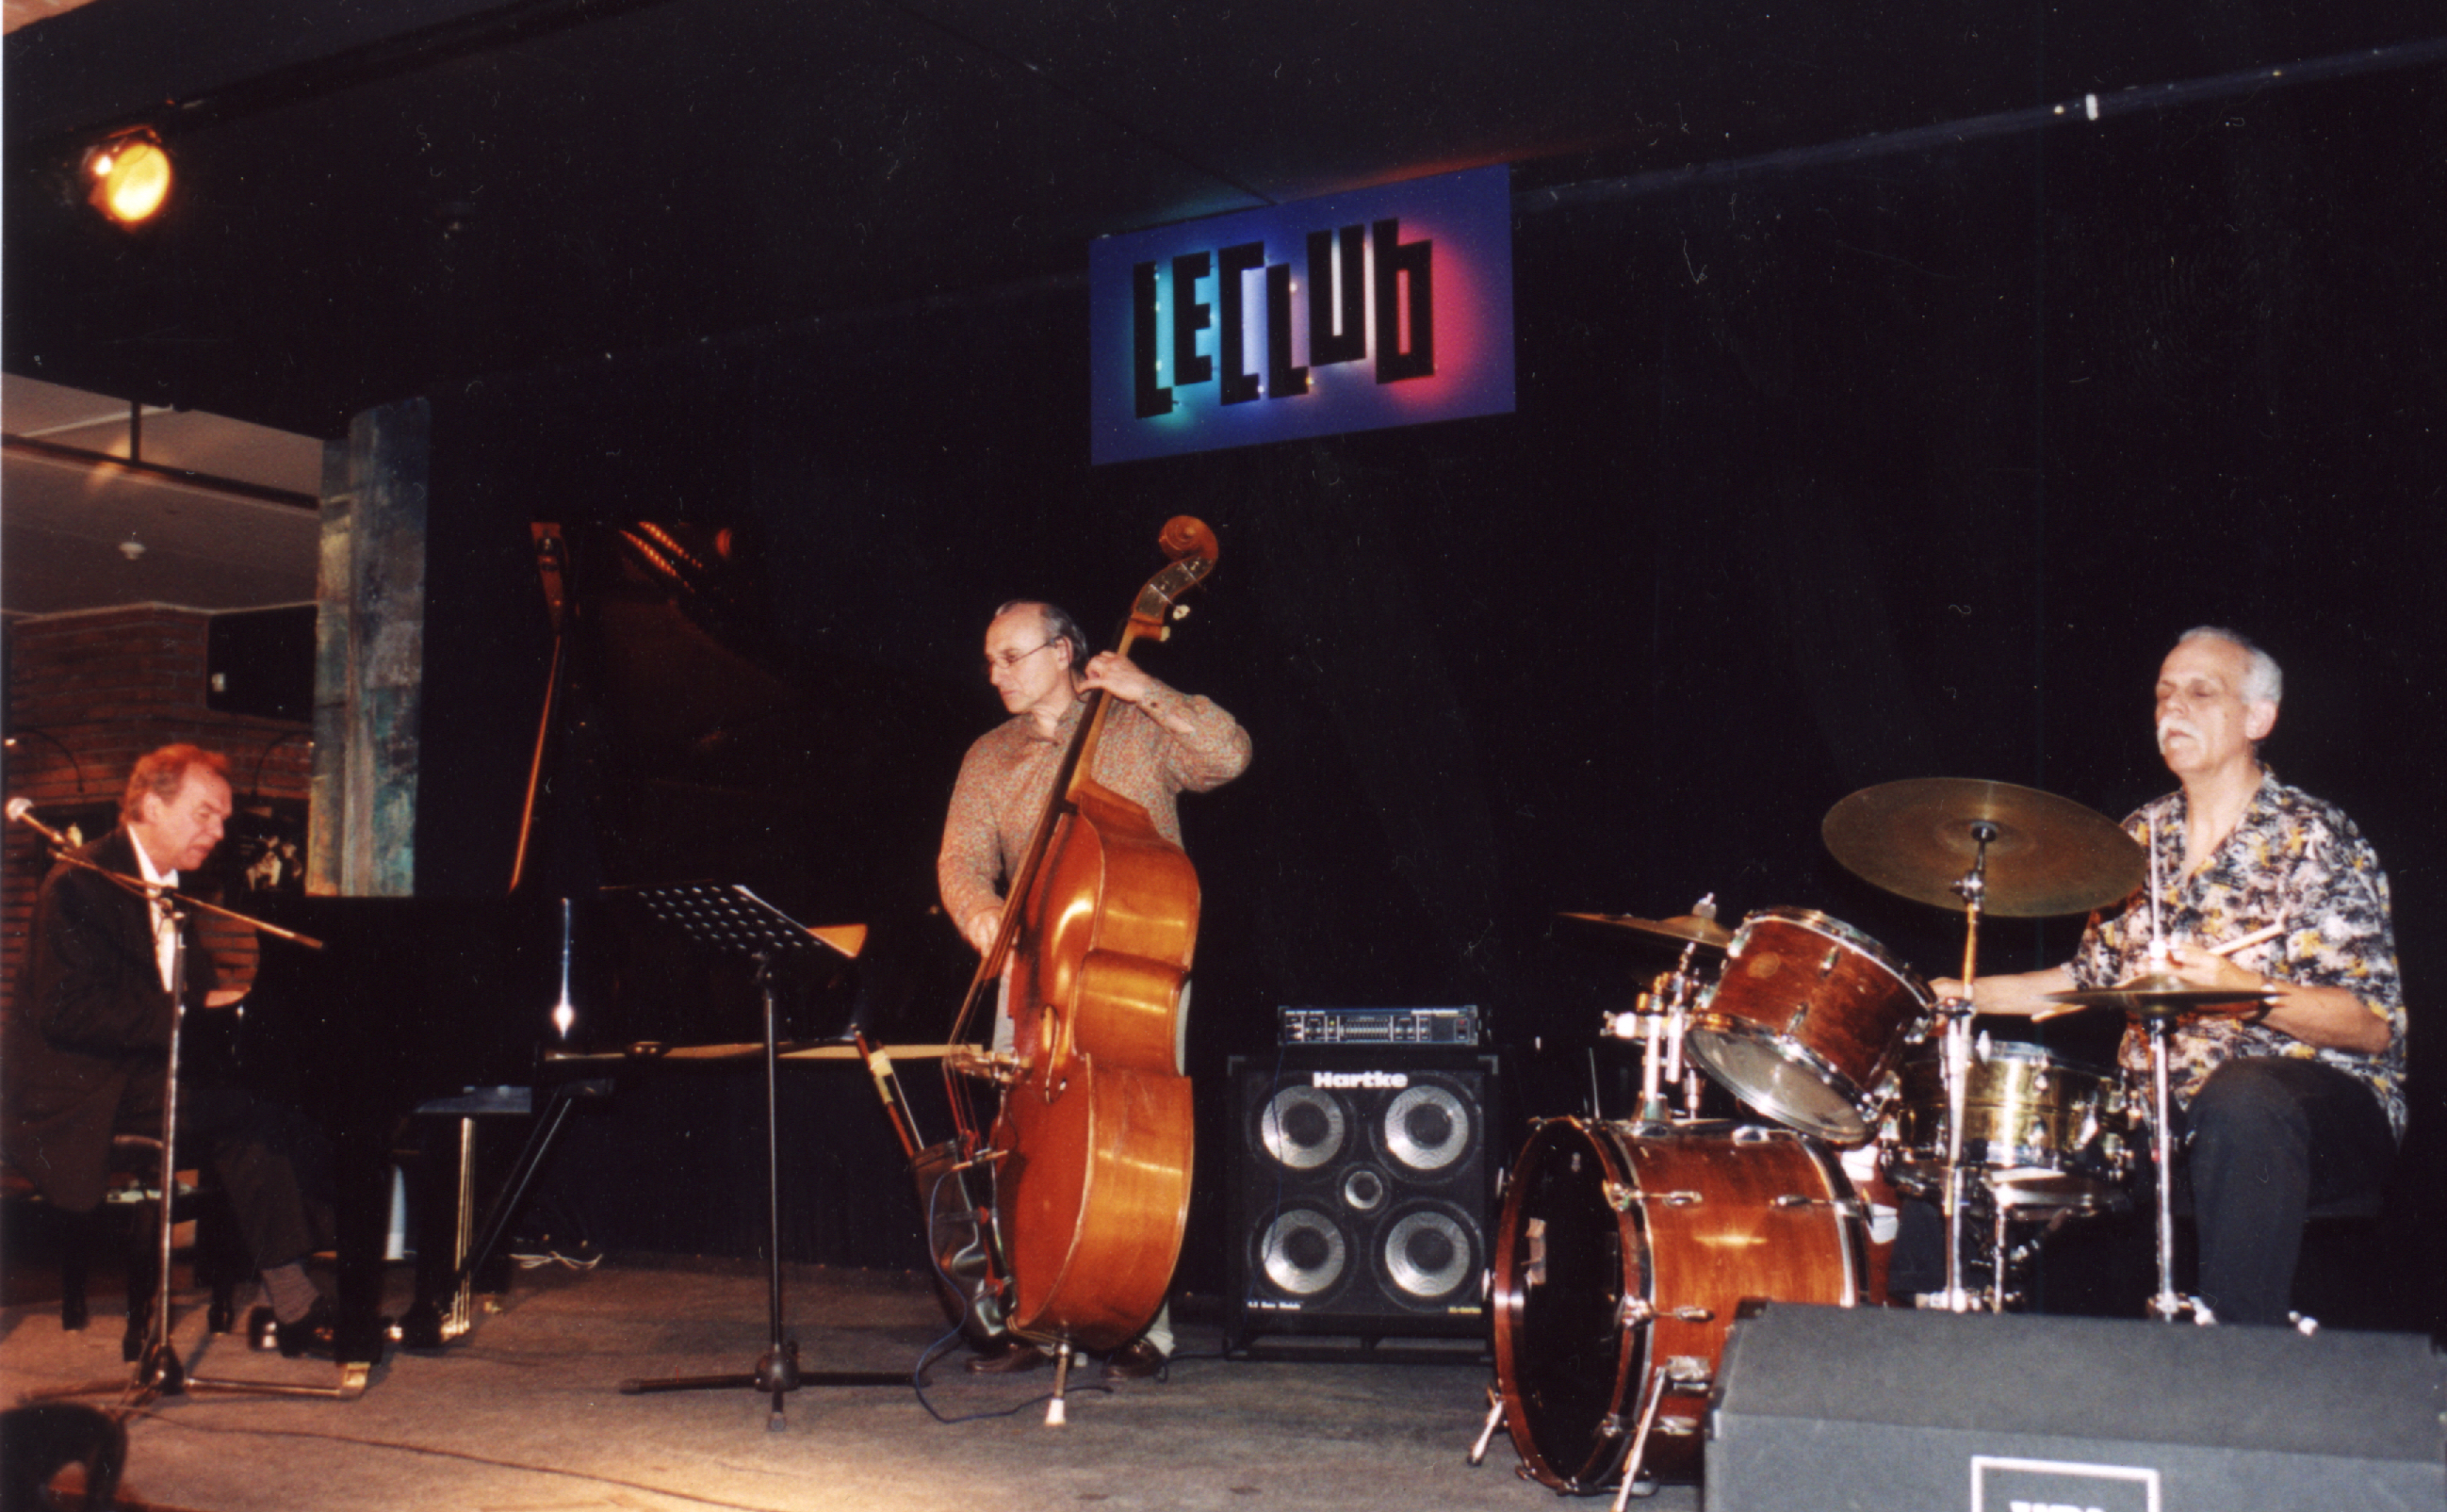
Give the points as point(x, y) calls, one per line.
point(1618, 1262)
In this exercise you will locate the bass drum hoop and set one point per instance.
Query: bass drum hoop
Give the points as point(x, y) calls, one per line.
point(1595, 1470)
point(1640, 1332)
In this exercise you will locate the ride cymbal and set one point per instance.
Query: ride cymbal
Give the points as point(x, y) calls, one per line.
point(2162, 995)
point(1689, 929)
point(2046, 855)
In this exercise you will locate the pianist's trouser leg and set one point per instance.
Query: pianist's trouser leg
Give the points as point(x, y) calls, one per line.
point(268, 1159)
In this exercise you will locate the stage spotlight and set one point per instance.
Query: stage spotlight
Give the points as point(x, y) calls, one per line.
point(129, 178)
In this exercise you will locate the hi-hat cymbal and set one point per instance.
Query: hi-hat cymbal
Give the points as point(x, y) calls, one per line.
point(1689, 929)
point(2046, 855)
point(2165, 994)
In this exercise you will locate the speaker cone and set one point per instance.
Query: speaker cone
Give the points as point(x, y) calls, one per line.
point(1428, 1255)
point(1303, 1254)
point(1427, 1129)
point(1302, 1128)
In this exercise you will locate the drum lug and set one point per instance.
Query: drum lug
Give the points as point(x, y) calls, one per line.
point(1754, 1134)
point(1684, 1198)
point(1690, 1315)
point(1844, 1207)
point(1689, 1373)
point(1833, 959)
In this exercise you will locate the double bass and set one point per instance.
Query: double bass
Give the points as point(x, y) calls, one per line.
point(1089, 1152)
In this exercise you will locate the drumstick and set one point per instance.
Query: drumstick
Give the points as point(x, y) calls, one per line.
point(2247, 941)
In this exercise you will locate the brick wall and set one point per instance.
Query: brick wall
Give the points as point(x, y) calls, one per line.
point(90, 692)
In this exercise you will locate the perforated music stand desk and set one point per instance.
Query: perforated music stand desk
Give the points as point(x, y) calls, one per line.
point(726, 918)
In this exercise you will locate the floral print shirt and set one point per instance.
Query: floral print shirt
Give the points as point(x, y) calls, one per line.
point(2291, 858)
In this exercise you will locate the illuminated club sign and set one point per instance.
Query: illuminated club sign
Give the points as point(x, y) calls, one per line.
point(1390, 306)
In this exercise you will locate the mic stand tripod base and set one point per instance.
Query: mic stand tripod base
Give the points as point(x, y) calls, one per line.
point(159, 1374)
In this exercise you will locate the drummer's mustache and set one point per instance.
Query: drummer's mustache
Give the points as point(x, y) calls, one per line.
point(2176, 724)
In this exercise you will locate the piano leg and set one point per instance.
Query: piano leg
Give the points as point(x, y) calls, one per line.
point(362, 1179)
point(447, 1274)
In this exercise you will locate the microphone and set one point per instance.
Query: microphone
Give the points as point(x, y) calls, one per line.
point(22, 811)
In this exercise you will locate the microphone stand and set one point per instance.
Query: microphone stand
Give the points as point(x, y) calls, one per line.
point(159, 1371)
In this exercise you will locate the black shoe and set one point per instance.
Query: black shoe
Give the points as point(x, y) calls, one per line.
point(1135, 1361)
point(1009, 1357)
point(311, 1335)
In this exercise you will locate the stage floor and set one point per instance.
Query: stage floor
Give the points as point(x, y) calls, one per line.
point(525, 1414)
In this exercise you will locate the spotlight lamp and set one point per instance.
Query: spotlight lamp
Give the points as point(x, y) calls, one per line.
point(128, 178)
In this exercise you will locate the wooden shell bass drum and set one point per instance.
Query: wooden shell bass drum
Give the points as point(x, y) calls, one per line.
point(1620, 1260)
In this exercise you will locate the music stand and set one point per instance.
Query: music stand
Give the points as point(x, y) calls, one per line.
point(728, 919)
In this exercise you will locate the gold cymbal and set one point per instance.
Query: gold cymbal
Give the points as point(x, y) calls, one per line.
point(1689, 929)
point(2158, 995)
point(2046, 855)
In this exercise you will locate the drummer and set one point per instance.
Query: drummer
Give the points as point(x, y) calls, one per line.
point(2298, 1103)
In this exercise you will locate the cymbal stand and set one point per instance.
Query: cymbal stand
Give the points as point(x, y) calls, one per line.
point(1972, 887)
point(1661, 1035)
point(2167, 1305)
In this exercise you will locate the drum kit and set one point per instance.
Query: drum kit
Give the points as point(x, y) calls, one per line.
point(1625, 1248)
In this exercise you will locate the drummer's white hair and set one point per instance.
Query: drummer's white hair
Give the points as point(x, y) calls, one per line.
point(2263, 683)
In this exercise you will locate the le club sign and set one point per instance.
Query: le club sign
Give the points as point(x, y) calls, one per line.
point(1383, 307)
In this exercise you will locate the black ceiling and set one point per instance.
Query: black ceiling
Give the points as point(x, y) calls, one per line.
point(380, 197)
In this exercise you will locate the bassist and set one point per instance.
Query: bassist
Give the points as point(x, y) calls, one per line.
point(1159, 744)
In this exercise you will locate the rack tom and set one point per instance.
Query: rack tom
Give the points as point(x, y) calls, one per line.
point(1809, 1022)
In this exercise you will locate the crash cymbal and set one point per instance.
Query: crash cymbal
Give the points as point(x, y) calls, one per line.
point(1689, 929)
point(2160, 995)
point(2047, 854)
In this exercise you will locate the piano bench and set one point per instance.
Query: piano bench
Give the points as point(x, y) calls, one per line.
point(129, 1206)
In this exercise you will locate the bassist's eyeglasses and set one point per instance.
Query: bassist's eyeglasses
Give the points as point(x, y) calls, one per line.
point(1005, 663)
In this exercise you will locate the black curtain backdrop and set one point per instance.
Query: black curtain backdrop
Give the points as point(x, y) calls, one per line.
point(1820, 478)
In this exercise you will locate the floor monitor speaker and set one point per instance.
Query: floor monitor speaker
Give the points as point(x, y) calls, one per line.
point(1822, 1408)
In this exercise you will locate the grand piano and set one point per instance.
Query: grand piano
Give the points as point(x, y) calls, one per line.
point(677, 745)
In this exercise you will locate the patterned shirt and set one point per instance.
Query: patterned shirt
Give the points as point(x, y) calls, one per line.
point(2291, 858)
point(1007, 775)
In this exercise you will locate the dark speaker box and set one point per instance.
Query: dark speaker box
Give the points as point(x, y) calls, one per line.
point(1360, 1188)
point(1824, 1408)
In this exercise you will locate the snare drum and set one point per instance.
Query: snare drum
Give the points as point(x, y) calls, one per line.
point(2044, 1132)
point(1619, 1263)
point(1808, 1021)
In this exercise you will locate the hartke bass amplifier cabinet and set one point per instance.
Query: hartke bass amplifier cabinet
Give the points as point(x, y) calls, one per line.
point(1360, 1188)
point(1823, 1409)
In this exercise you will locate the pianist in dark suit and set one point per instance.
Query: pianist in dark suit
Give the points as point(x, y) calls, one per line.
point(87, 1045)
